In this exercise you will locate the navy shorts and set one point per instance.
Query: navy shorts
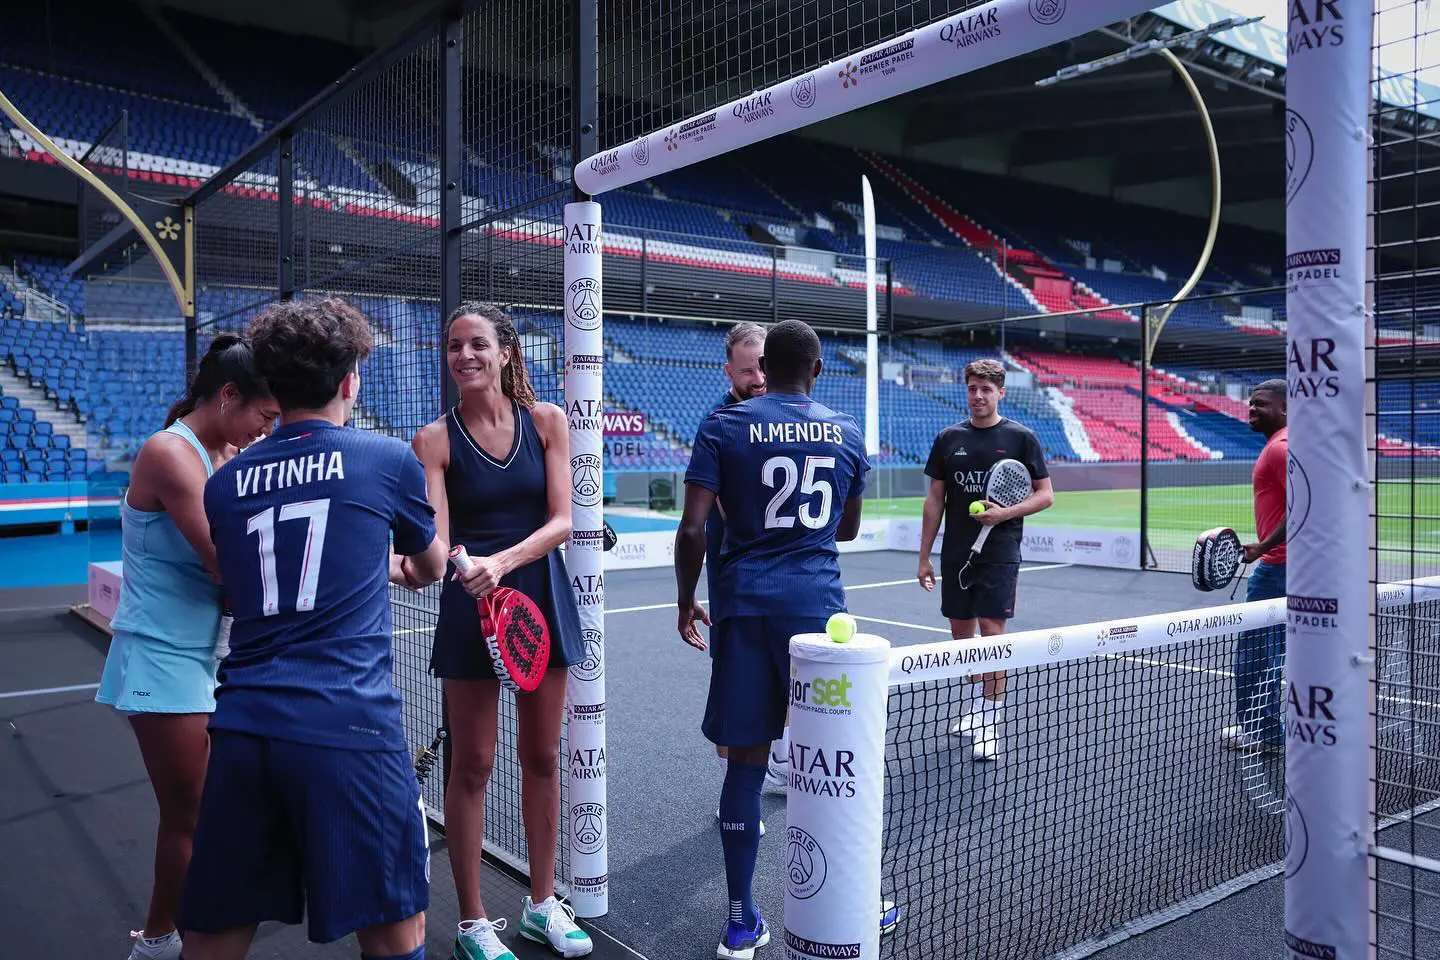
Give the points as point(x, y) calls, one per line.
point(289, 829)
point(991, 593)
point(750, 678)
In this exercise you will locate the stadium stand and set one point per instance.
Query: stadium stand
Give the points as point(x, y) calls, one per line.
point(194, 102)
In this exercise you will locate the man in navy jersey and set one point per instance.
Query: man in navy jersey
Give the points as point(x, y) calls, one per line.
point(744, 346)
point(788, 474)
point(311, 805)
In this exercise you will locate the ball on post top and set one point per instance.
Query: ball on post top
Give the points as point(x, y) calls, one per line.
point(840, 627)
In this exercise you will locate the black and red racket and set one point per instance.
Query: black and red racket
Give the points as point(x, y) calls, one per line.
point(515, 632)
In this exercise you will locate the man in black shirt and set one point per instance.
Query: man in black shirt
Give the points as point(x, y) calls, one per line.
point(959, 460)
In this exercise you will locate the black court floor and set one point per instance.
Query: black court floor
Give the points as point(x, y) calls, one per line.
point(77, 816)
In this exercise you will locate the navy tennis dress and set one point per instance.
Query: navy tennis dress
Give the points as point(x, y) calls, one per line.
point(494, 505)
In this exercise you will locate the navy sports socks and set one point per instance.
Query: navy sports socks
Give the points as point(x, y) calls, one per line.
point(418, 954)
point(740, 835)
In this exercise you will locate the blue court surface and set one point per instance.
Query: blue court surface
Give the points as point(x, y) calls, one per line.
point(639, 522)
point(1002, 859)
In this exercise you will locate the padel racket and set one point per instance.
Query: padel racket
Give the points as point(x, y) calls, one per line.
point(1007, 484)
point(515, 632)
point(430, 756)
point(1216, 559)
point(609, 536)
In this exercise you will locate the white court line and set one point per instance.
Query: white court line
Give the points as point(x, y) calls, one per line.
point(848, 588)
point(42, 691)
point(901, 623)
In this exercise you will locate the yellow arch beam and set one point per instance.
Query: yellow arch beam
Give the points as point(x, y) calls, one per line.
point(181, 288)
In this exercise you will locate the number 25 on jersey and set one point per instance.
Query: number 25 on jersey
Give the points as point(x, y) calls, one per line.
point(263, 525)
point(784, 473)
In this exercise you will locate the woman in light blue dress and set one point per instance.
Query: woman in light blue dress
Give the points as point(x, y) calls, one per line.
point(161, 667)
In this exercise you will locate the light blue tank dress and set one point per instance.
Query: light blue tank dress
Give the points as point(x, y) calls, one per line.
point(162, 656)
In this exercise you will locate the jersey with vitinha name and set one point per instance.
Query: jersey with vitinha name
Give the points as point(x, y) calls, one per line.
point(782, 467)
point(302, 524)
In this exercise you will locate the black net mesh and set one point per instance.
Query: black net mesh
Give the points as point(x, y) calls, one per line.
point(1212, 350)
point(663, 61)
point(1404, 294)
point(1113, 806)
point(516, 122)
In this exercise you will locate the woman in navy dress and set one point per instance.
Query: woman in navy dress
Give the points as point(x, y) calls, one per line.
point(498, 466)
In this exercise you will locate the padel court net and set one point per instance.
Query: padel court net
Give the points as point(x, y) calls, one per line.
point(1112, 804)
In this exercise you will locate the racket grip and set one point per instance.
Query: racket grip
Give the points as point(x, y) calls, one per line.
point(980, 540)
point(222, 632)
point(461, 558)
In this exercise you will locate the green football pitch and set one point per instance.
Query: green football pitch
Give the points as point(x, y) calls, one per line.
point(1408, 514)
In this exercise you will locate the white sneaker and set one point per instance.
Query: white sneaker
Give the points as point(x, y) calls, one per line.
point(477, 941)
point(553, 923)
point(762, 823)
point(985, 745)
point(1238, 738)
point(159, 948)
point(777, 773)
point(964, 725)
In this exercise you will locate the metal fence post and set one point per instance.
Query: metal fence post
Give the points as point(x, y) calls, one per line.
point(285, 249)
point(451, 214)
point(1146, 557)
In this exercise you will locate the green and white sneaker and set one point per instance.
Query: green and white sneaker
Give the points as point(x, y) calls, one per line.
point(477, 941)
point(553, 923)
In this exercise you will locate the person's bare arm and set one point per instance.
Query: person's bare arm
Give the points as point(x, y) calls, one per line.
point(432, 446)
point(689, 558)
point(849, 527)
point(930, 517)
point(169, 469)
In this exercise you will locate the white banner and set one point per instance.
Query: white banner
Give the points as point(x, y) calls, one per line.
point(1327, 761)
point(1086, 548)
point(922, 662)
point(958, 44)
point(584, 558)
point(835, 806)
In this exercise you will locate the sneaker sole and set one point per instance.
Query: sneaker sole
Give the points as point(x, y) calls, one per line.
point(544, 941)
point(722, 954)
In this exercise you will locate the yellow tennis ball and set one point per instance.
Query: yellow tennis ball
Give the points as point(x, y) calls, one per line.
point(840, 627)
point(977, 507)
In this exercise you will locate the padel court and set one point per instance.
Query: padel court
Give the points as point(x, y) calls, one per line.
point(1112, 797)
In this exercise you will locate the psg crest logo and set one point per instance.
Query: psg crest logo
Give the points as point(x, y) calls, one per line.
point(802, 92)
point(587, 821)
point(1297, 497)
point(1299, 153)
point(805, 865)
point(640, 153)
point(1047, 12)
point(585, 303)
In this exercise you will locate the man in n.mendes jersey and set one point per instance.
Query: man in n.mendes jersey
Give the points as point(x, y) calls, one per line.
point(744, 346)
point(959, 460)
point(311, 806)
point(788, 474)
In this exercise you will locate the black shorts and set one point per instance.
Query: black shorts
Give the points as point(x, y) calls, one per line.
point(990, 594)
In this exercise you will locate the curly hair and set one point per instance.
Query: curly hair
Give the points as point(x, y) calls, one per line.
point(305, 348)
point(986, 369)
point(514, 377)
point(228, 360)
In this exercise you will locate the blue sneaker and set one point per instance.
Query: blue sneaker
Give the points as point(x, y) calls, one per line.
point(740, 943)
point(889, 917)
